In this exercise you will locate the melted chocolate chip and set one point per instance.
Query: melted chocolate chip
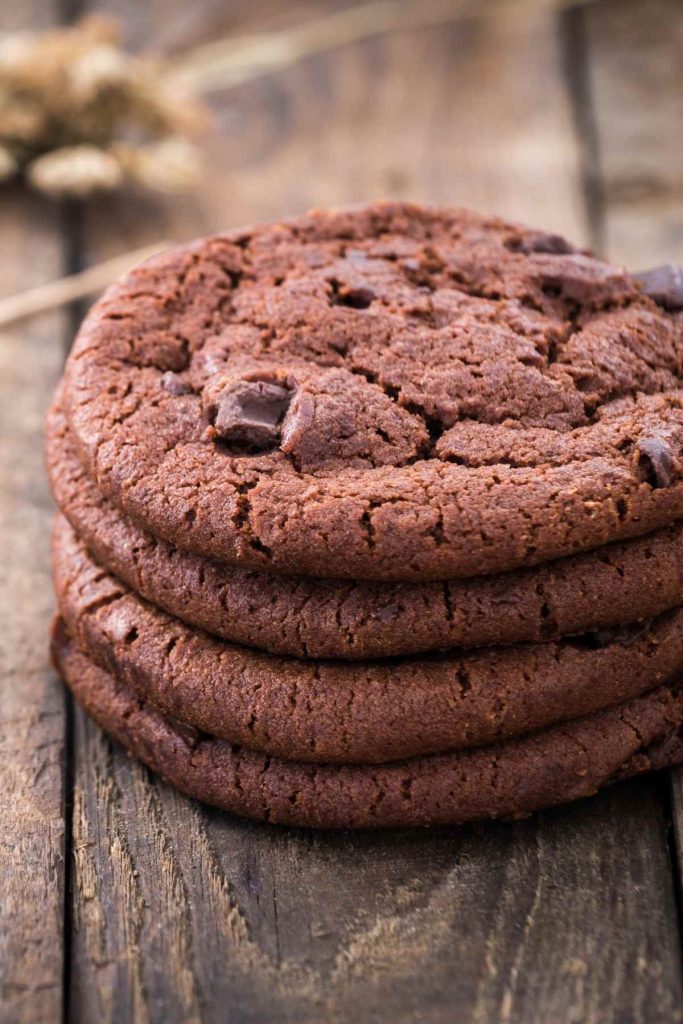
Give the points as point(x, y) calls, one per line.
point(655, 461)
point(248, 413)
point(664, 284)
point(174, 384)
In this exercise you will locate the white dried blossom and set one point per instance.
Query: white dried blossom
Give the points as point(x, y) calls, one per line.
point(98, 69)
point(16, 50)
point(78, 114)
point(75, 171)
point(169, 165)
point(8, 165)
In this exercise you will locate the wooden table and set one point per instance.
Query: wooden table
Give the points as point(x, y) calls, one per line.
point(122, 901)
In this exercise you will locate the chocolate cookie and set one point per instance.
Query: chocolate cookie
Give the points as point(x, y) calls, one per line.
point(614, 585)
point(351, 712)
point(392, 392)
point(509, 779)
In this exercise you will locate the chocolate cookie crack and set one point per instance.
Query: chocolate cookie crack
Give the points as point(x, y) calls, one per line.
point(586, 753)
point(367, 524)
point(242, 517)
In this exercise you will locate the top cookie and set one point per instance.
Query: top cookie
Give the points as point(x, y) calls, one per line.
point(392, 392)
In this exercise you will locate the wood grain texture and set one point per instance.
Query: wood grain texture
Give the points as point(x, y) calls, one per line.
point(187, 914)
point(635, 62)
point(636, 77)
point(32, 703)
point(184, 914)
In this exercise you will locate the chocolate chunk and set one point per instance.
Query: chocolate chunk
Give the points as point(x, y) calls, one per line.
point(174, 384)
point(248, 413)
point(623, 635)
point(187, 733)
point(553, 245)
point(655, 461)
point(388, 613)
point(664, 284)
point(356, 298)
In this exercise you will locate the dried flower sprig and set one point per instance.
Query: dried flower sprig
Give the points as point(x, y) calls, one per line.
point(78, 286)
point(78, 114)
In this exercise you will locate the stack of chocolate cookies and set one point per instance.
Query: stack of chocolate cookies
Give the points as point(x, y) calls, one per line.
point(375, 517)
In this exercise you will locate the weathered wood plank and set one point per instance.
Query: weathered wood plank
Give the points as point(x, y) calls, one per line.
point(636, 79)
point(182, 913)
point(188, 914)
point(636, 76)
point(32, 704)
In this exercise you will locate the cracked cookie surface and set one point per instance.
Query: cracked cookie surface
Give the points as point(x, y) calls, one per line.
point(618, 584)
point(505, 780)
point(393, 392)
point(331, 711)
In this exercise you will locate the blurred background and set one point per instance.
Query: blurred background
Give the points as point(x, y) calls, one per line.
point(564, 114)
